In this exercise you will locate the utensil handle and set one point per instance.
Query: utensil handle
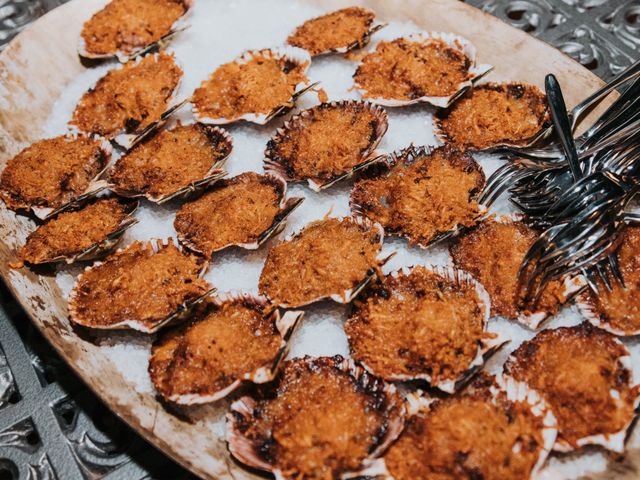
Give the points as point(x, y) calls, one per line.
point(561, 123)
point(624, 76)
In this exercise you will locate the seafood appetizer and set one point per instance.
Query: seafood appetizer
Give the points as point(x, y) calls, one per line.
point(422, 194)
point(256, 87)
point(172, 163)
point(496, 428)
point(421, 324)
point(126, 28)
point(327, 143)
point(494, 115)
point(321, 418)
point(129, 100)
point(243, 211)
point(142, 287)
point(51, 173)
point(225, 342)
point(434, 68)
point(617, 309)
point(331, 258)
point(340, 31)
point(79, 233)
point(584, 375)
point(492, 253)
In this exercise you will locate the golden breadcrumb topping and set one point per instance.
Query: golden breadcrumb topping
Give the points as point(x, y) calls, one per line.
point(170, 160)
point(129, 25)
point(494, 114)
point(577, 370)
point(130, 98)
point(52, 172)
point(422, 196)
point(405, 69)
point(335, 30)
point(327, 257)
point(235, 211)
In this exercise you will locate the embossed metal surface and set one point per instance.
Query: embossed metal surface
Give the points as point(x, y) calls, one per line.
point(53, 427)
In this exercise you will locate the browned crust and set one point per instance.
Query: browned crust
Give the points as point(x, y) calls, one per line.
point(470, 435)
point(138, 285)
point(493, 253)
point(262, 84)
point(493, 114)
point(318, 419)
point(236, 211)
point(575, 369)
point(328, 257)
point(421, 194)
point(415, 324)
point(619, 308)
point(340, 30)
point(52, 172)
point(310, 147)
point(406, 69)
point(130, 98)
point(70, 233)
point(130, 25)
point(170, 160)
point(218, 346)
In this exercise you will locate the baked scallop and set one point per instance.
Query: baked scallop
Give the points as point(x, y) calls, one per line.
point(256, 87)
point(434, 68)
point(422, 194)
point(584, 375)
point(51, 173)
point(171, 163)
point(423, 324)
point(79, 233)
point(126, 28)
point(321, 418)
point(331, 258)
point(326, 143)
point(495, 429)
point(617, 310)
point(242, 211)
point(339, 31)
point(492, 253)
point(129, 100)
point(493, 115)
point(142, 287)
point(225, 342)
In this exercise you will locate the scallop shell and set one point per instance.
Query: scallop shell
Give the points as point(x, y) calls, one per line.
point(572, 285)
point(274, 163)
point(214, 174)
point(599, 319)
point(243, 409)
point(519, 392)
point(486, 348)
point(544, 132)
point(454, 41)
point(294, 55)
point(361, 43)
point(346, 296)
point(285, 324)
point(178, 26)
point(410, 153)
point(287, 206)
point(93, 189)
point(181, 312)
point(100, 248)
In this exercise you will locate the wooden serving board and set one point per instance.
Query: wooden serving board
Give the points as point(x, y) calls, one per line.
point(35, 69)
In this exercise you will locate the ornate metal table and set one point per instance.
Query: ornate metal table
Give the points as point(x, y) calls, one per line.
point(52, 427)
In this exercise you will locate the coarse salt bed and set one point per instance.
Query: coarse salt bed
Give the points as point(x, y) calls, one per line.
point(219, 32)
